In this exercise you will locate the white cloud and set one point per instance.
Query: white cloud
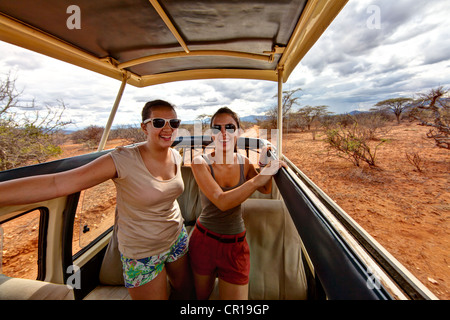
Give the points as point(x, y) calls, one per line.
point(353, 65)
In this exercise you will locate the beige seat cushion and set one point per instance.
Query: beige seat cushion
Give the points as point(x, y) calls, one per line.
point(189, 201)
point(111, 269)
point(276, 268)
point(24, 289)
point(108, 293)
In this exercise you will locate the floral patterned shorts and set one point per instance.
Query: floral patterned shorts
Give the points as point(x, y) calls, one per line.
point(137, 272)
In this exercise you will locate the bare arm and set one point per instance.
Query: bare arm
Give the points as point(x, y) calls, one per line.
point(267, 188)
point(225, 200)
point(49, 186)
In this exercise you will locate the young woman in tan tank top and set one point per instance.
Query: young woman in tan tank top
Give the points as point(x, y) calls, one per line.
point(217, 246)
point(135, 171)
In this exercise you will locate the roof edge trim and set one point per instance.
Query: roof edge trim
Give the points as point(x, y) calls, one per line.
point(170, 55)
point(269, 75)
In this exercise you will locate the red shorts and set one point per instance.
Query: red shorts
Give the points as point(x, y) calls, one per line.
point(228, 257)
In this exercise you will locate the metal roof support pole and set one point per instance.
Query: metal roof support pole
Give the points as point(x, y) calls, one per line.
point(280, 113)
point(105, 135)
point(169, 24)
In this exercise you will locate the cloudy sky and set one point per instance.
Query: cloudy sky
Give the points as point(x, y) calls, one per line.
point(374, 50)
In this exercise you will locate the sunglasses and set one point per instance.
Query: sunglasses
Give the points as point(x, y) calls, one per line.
point(159, 123)
point(229, 127)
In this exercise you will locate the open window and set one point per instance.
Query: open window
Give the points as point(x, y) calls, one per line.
point(95, 214)
point(22, 245)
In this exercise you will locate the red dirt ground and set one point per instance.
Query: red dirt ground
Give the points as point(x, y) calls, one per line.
point(405, 210)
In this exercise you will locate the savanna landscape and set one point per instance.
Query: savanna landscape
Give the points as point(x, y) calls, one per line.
point(407, 211)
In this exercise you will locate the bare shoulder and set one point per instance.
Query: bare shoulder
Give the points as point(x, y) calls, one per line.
point(202, 172)
point(199, 161)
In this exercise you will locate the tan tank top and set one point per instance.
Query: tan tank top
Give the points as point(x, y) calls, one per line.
point(148, 217)
point(223, 222)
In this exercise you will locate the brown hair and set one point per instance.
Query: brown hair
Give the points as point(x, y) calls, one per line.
point(147, 110)
point(226, 110)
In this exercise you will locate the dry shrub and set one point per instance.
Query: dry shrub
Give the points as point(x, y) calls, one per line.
point(353, 143)
point(415, 159)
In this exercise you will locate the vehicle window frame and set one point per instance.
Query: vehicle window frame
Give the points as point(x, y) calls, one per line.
point(44, 214)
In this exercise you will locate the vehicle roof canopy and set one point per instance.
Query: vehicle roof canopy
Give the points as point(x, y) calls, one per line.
point(169, 40)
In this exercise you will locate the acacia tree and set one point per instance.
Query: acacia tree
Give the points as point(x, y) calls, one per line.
point(25, 138)
point(396, 105)
point(432, 109)
point(288, 102)
point(307, 115)
point(204, 118)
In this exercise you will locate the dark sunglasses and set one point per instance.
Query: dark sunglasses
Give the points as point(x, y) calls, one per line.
point(229, 127)
point(159, 123)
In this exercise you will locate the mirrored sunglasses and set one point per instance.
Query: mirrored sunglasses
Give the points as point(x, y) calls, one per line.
point(159, 123)
point(229, 127)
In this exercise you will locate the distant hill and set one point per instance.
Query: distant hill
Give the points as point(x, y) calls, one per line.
point(253, 118)
point(69, 131)
point(355, 112)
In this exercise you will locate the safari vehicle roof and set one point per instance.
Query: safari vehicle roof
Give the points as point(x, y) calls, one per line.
point(154, 42)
